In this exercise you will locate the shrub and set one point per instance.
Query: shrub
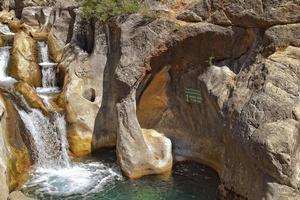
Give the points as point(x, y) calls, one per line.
point(210, 61)
point(105, 9)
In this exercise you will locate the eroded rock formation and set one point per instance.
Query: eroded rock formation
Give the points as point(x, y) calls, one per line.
point(14, 155)
point(132, 74)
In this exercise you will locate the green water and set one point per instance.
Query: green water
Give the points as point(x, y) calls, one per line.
point(188, 181)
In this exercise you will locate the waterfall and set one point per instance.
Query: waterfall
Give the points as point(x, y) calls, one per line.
point(6, 35)
point(48, 70)
point(43, 52)
point(48, 73)
point(49, 136)
point(4, 59)
point(48, 132)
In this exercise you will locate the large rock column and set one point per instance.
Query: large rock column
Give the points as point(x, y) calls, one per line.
point(140, 152)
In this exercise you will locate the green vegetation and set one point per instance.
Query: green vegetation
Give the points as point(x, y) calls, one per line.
point(105, 9)
point(175, 27)
point(210, 61)
point(148, 14)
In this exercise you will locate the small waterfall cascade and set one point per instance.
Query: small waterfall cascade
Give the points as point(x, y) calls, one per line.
point(55, 174)
point(48, 132)
point(49, 135)
point(4, 59)
point(5, 55)
point(48, 70)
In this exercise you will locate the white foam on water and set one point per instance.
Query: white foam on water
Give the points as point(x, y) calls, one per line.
point(48, 90)
point(4, 59)
point(80, 178)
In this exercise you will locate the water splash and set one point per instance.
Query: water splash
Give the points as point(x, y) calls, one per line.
point(82, 179)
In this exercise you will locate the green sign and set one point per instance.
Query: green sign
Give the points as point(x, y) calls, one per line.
point(193, 95)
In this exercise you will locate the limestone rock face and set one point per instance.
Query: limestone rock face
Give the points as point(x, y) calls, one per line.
point(23, 65)
point(14, 156)
point(154, 101)
point(255, 13)
point(242, 61)
point(219, 81)
point(31, 96)
point(82, 92)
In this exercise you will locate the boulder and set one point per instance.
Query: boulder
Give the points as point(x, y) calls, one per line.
point(31, 96)
point(23, 63)
point(141, 152)
point(189, 16)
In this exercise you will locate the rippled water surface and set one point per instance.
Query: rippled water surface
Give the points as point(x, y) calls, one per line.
point(100, 178)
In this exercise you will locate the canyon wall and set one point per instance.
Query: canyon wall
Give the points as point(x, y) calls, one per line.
point(134, 73)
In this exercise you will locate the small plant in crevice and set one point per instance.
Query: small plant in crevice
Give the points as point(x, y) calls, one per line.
point(210, 61)
point(175, 27)
point(147, 13)
point(106, 9)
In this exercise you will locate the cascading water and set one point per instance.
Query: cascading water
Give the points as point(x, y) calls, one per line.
point(49, 137)
point(4, 59)
point(55, 174)
point(48, 70)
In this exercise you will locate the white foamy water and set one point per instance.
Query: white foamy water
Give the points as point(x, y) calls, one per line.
point(79, 179)
point(48, 68)
point(49, 136)
point(4, 29)
point(43, 52)
point(49, 76)
point(4, 59)
point(45, 91)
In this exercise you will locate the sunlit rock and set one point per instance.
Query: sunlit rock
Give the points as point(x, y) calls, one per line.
point(31, 96)
point(140, 152)
point(23, 64)
point(14, 155)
